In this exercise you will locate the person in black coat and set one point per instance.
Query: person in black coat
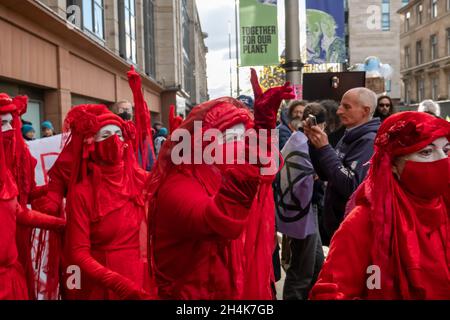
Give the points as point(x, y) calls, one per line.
point(346, 167)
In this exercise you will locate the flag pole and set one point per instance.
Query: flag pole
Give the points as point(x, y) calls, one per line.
point(293, 64)
point(238, 89)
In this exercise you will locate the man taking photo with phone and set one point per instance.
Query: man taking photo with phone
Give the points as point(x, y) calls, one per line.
point(346, 167)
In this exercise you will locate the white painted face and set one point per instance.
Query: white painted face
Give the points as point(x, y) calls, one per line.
point(435, 151)
point(7, 122)
point(235, 133)
point(108, 131)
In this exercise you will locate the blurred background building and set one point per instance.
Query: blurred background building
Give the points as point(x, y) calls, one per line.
point(425, 52)
point(67, 52)
point(374, 30)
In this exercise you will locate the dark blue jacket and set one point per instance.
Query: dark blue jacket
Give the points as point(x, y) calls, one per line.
point(284, 132)
point(344, 169)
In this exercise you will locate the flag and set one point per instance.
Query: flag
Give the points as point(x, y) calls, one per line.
point(325, 29)
point(258, 32)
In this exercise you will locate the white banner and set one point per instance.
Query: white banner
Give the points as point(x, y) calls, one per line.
point(45, 151)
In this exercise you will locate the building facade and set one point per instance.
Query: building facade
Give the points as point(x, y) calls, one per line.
point(374, 30)
point(425, 51)
point(67, 52)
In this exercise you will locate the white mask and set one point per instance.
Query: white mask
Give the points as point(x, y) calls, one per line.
point(235, 133)
point(7, 122)
point(108, 131)
point(435, 151)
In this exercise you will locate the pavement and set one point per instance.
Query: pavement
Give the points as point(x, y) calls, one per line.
point(280, 283)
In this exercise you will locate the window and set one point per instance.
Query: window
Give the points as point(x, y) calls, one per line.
point(386, 15)
point(405, 2)
point(127, 30)
point(33, 114)
point(448, 41)
point(188, 72)
point(434, 88)
point(448, 5)
point(433, 8)
point(93, 20)
point(419, 11)
point(407, 57)
point(149, 38)
point(448, 86)
point(388, 85)
point(407, 21)
point(407, 92)
point(420, 89)
point(419, 53)
point(434, 47)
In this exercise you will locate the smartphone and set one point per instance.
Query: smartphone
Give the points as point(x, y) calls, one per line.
point(312, 121)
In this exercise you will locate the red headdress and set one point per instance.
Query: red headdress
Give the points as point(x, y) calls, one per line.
point(19, 160)
point(219, 114)
point(84, 122)
point(400, 134)
point(8, 187)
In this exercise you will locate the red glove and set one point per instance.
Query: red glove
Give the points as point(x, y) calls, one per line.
point(326, 291)
point(38, 192)
point(39, 220)
point(128, 290)
point(268, 103)
point(21, 103)
point(174, 121)
point(240, 183)
point(46, 204)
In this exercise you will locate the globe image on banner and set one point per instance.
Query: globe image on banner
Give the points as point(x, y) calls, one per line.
point(324, 45)
point(268, 2)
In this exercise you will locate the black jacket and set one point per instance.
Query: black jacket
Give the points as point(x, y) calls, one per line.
point(344, 169)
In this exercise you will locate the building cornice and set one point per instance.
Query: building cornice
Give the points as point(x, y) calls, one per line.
point(410, 5)
point(416, 28)
point(423, 67)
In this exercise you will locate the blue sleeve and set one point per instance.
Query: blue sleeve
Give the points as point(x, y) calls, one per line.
point(314, 154)
point(345, 177)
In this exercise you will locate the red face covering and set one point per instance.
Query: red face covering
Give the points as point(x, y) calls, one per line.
point(8, 144)
point(426, 180)
point(110, 151)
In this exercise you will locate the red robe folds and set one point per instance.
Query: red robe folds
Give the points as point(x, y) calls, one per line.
point(394, 245)
point(105, 243)
point(212, 233)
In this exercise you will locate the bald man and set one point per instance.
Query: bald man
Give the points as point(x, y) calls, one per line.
point(346, 167)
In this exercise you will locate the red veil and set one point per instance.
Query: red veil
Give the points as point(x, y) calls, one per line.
point(392, 210)
point(258, 236)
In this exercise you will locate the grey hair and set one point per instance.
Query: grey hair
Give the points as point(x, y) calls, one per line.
point(430, 106)
point(367, 98)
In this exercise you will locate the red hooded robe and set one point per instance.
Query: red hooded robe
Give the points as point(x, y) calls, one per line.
point(403, 239)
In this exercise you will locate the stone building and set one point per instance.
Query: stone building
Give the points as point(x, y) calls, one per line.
point(425, 51)
point(66, 52)
point(374, 30)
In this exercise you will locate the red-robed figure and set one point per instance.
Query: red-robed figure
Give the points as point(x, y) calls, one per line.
point(395, 244)
point(14, 191)
point(105, 208)
point(212, 226)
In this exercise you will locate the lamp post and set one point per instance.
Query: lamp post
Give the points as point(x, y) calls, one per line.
point(293, 64)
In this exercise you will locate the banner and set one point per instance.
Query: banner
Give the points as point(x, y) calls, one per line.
point(45, 151)
point(325, 31)
point(258, 32)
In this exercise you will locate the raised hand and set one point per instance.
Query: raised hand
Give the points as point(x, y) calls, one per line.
point(267, 103)
point(174, 121)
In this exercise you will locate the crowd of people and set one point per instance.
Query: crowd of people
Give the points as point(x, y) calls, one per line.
point(355, 176)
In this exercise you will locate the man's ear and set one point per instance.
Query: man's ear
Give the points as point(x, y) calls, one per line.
point(366, 111)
